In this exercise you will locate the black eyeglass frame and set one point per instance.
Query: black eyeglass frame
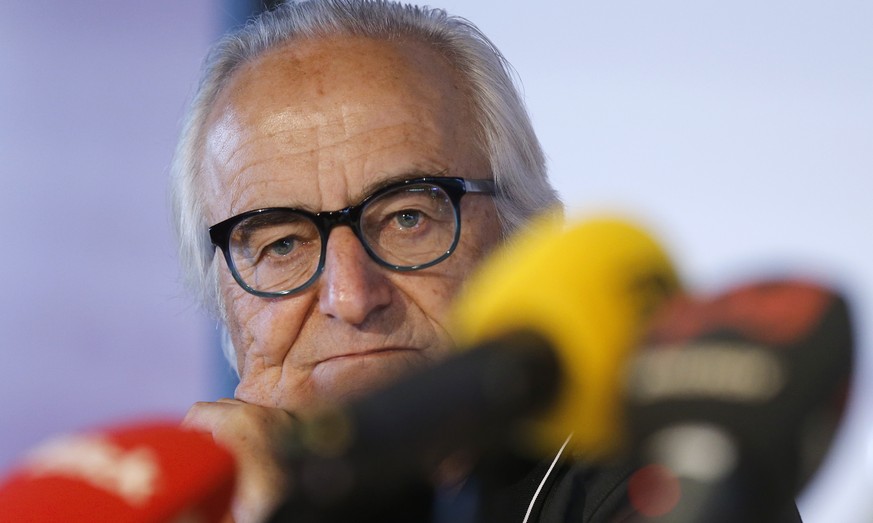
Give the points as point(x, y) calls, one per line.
point(325, 221)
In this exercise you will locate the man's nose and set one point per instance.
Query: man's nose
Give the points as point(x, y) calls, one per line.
point(352, 285)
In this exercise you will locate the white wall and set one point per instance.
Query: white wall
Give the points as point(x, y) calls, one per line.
point(740, 132)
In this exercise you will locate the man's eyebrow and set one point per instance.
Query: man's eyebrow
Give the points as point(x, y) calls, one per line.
point(385, 182)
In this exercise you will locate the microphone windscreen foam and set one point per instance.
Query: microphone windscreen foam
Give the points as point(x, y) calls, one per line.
point(589, 289)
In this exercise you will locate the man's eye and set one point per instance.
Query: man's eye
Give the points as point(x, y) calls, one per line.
point(408, 218)
point(282, 247)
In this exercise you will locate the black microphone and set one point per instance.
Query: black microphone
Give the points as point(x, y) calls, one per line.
point(733, 400)
point(373, 460)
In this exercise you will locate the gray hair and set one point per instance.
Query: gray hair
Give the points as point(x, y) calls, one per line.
point(504, 132)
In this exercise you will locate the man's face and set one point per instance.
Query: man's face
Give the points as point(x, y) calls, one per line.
point(318, 127)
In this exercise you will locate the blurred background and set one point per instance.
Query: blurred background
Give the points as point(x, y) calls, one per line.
point(741, 133)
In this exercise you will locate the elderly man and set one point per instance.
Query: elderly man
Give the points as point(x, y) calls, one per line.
point(342, 169)
point(391, 153)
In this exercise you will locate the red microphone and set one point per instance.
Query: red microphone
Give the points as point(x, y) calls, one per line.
point(138, 473)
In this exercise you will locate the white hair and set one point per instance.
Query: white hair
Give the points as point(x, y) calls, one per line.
point(504, 131)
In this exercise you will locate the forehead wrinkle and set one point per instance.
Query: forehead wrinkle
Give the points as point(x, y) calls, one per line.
point(386, 139)
point(224, 139)
point(294, 128)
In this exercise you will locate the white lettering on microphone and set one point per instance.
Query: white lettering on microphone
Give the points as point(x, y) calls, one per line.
point(131, 474)
point(716, 370)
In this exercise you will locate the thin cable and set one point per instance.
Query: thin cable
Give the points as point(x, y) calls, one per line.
point(543, 482)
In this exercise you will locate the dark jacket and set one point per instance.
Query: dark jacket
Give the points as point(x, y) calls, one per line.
point(571, 493)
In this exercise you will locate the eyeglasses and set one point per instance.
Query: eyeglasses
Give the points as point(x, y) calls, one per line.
point(405, 226)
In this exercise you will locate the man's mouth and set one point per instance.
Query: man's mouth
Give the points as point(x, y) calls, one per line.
point(378, 352)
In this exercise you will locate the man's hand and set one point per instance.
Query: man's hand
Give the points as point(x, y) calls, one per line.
point(255, 435)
